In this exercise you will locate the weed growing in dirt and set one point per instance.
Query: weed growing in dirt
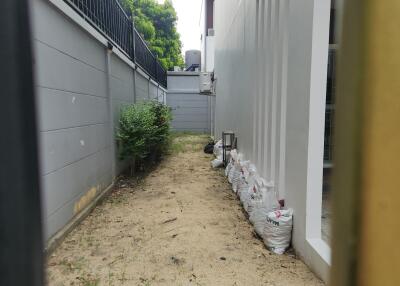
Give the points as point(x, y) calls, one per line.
point(88, 281)
point(73, 265)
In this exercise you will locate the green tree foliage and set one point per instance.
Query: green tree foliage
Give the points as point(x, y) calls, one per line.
point(157, 25)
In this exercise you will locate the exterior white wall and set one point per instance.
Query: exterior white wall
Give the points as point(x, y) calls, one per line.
point(203, 34)
point(80, 90)
point(207, 42)
point(191, 110)
point(209, 59)
point(270, 66)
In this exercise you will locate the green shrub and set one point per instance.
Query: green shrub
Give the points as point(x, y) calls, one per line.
point(144, 131)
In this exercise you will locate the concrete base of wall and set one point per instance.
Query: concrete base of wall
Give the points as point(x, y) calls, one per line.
point(59, 237)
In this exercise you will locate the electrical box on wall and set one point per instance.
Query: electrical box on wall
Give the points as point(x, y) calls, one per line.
point(206, 83)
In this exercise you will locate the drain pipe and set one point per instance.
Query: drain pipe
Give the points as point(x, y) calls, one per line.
point(110, 109)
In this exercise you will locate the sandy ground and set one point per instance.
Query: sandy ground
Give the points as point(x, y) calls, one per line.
point(180, 225)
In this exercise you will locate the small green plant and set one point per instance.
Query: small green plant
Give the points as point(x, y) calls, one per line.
point(144, 131)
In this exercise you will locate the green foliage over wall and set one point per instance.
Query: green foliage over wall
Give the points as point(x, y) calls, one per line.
point(157, 25)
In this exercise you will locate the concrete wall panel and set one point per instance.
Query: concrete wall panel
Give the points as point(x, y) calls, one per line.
point(153, 91)
point(122, 90)
point(61, 109)
point(63, 72)
point(67, 146)
point(187, 81)
point(142, 87)
point(64, 189)
point(48, 23)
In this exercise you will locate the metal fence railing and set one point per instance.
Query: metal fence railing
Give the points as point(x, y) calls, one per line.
point(161, 74)
point(143, 56)
point(110, 19)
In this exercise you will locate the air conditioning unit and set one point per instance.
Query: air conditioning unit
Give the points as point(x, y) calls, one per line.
point(206, 83)
point(211, 32)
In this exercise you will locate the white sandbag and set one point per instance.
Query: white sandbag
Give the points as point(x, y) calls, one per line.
point(231, 173)
point(239, 176)
point(247, 188)
point(233, 157)
point(234, 172)
point(256, 196)
point(218, 149)
point(278, 230)
point(217, 162)
point(247, 171)
point(228, 167)
point(258, 218)
point(242, 184)
point(246, 197)
point(236, 179)
point(265, 202)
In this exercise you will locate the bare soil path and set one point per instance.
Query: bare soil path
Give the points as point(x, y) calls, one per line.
point(181, 225)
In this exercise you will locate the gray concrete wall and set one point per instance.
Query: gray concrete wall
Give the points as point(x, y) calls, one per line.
point(191, 110)
point(81, 88)
point(122, 93)
point(142, 87)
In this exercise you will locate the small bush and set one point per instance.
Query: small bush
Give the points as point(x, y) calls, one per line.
point(144, 131)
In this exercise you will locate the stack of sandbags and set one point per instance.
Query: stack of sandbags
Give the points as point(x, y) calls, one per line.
point(260, 201)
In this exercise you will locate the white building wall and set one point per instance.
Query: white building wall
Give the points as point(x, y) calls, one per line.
point(203, 34)
point(209, 55)
point(270, 66)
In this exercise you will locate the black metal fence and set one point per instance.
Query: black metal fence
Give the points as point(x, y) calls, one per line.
point(110, 19)
point(161, 74)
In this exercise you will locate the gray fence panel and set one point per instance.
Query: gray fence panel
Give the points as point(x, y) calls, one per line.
point(190, 114)
point(191, 110)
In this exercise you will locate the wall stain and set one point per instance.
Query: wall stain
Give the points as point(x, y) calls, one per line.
point(86, 199)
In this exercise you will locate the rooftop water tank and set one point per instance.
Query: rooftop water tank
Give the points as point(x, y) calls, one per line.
point(193, 59)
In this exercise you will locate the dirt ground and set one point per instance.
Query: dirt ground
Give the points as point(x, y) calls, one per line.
point(180, 225)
